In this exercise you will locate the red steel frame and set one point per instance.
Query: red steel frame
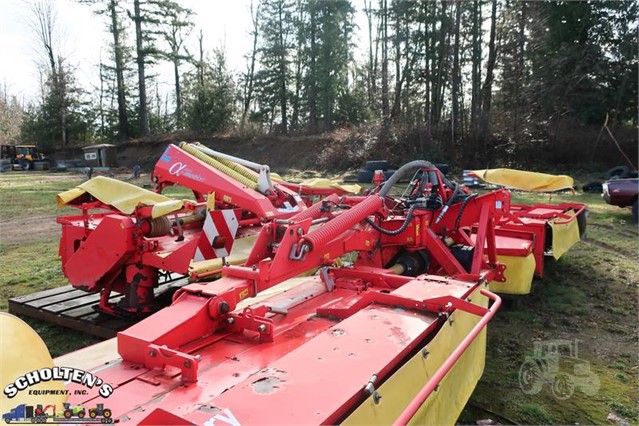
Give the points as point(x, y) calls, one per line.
point(294, 238)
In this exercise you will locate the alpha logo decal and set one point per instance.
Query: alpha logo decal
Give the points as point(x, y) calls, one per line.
point(176, 169)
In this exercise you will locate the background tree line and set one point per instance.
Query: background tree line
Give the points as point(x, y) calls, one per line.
point(472, 81)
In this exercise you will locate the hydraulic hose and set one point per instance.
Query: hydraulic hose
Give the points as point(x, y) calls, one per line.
point(397, 231)
point(448, 203)
point(403, 171)
point(461, 209)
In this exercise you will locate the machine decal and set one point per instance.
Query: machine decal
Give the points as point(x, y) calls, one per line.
point(177, 168)
point(216, 240)
point(224, 418)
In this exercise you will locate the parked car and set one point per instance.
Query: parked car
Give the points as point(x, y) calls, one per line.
point(622, 193)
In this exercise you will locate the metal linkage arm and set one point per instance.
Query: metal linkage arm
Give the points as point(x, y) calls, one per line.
point(264, 179)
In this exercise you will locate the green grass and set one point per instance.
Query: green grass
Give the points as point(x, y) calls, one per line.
point(590, 294)
point(534, 414)
point(32, 194)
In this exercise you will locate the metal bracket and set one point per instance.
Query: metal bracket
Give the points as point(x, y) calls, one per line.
point(326, 277)
point(369, 388)
point(294, 255)
point(161, 356)
point(253, 320)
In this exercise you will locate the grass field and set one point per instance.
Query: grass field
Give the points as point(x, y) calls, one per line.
point(590, 295)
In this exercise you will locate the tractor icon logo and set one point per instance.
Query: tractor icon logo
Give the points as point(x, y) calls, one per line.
point(556, 363)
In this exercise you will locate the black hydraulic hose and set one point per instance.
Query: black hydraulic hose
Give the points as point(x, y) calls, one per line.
point(448, 203)
point(397, 231)
point(461, 209)
point(399, 173)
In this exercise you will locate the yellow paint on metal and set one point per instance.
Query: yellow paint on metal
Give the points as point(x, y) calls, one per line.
point(239, 253)
point(24, 351)
point(210, 201)
point(243, 294)
point(564, 235)
point(443, 406)
point(121, 195)
point(519, 274)
point(323, 183)
point(524, 180)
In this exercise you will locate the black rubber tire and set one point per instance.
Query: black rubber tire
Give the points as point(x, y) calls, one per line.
point(635, 211)
point(371, 166)
point(27, 165)
point(582, 222)
point(619, 172)
point(388, 173)
point(443, 168)
point(365, 176)
point(593, 188)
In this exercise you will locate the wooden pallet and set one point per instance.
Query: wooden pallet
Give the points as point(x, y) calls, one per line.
point(72, 308)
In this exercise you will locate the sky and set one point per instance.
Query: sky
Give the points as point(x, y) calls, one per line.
point(84, 37)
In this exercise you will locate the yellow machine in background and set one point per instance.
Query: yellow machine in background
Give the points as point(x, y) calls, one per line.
point(23, 156)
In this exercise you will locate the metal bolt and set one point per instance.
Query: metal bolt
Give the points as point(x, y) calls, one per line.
point(152, 353)
point(299, 231)
point(224, 308)
point(261, 328)
point(230, 320)
point(425, 353)
point(376, 397)
point(254, 267)
point(187, 363)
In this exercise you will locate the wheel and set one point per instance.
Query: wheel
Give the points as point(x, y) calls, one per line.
point(34, 420)
point(371, 166)
point(593, 188)
point(563, 386)
point(67, 414)
point(388, 173)
point(107, 413)
point(530, 378)
point(27, 165)
point(443, 168)
point(619, 172)
point(582, 223)
point(634, 210)
point(92, 414)
point(81, 414)
point(365, 176)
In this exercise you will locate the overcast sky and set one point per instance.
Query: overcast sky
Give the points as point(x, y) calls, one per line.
point(84, 39)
